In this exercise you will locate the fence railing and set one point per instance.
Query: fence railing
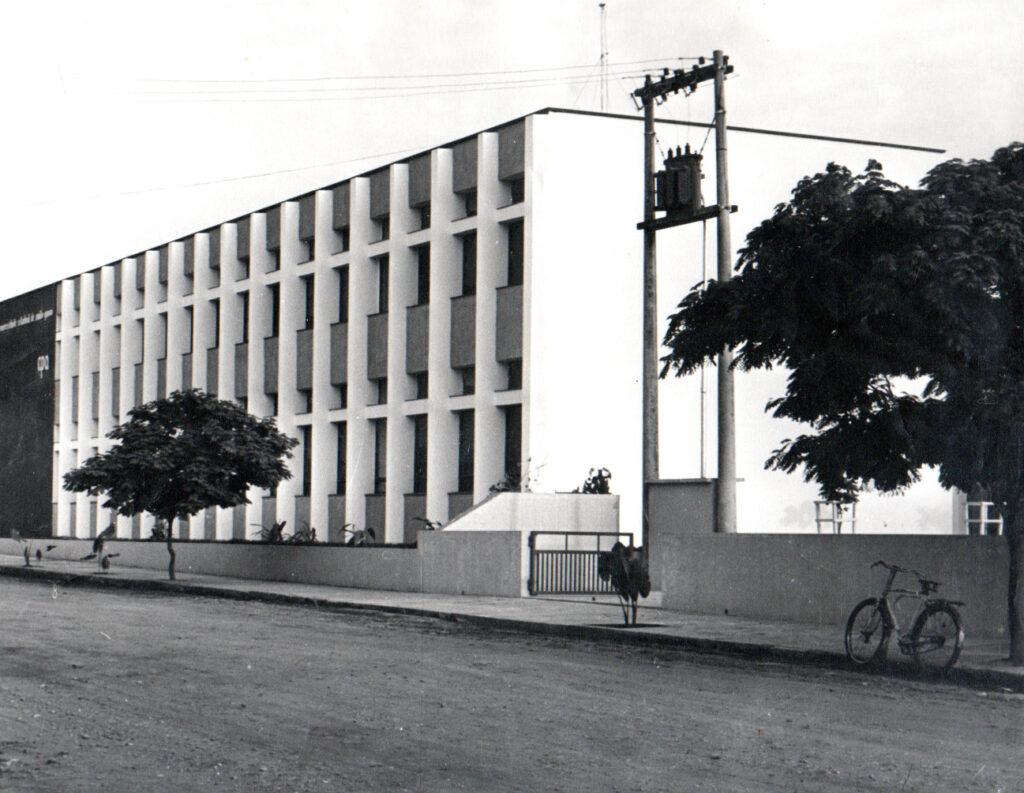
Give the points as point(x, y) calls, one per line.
point(565, 562)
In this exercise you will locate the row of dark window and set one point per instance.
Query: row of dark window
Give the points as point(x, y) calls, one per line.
point(466, 452)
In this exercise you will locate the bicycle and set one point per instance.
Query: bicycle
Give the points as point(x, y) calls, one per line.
point(935, 638)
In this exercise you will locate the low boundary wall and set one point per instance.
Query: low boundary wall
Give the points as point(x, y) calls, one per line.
point(819, 578)
point(483, 552)
point(452, 562)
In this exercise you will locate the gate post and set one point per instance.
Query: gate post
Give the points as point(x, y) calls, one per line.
point(530, 583)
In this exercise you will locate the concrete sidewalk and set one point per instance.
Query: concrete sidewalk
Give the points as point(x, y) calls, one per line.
point(586, 618)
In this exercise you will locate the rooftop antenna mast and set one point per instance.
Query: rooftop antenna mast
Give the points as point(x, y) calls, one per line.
point(604, 56)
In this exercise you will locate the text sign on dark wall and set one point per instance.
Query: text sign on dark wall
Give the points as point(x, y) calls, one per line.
point(27, 336)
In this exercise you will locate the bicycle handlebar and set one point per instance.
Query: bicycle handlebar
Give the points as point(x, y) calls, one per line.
point(928, 585)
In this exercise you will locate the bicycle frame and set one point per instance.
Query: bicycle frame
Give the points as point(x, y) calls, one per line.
point(889, 606)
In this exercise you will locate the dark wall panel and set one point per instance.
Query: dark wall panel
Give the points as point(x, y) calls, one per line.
point(464, 165)
point(27, 339)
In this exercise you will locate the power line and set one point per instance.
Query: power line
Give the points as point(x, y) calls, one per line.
point(339, 89)
point(154, 99)
point(164, 188)
point(387, 76)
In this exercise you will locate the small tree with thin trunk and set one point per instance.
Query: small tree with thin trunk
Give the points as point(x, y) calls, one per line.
point(179, 455)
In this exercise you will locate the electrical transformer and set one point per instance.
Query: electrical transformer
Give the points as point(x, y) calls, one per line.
point(677, 188)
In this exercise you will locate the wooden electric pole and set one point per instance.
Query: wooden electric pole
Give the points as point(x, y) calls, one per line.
point(725, 492)
point(650, 324)
point(650, 93)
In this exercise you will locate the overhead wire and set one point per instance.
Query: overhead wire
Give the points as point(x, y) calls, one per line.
point(584, 85)
point(397, 153)
point(340, 89)
point(323, 78)
point(378, 97)
point(584, 79)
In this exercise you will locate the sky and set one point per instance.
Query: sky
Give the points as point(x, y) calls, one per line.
point(130, 124)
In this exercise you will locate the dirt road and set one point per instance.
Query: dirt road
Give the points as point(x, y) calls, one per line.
point(113, 691)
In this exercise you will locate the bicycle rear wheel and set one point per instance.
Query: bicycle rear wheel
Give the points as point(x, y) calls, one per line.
point(867, 633)
point(937, 638)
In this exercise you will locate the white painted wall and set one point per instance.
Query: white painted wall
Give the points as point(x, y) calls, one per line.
point(585, 316)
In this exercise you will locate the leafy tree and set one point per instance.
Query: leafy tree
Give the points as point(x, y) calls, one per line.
point(179, 455)
point(899, 314)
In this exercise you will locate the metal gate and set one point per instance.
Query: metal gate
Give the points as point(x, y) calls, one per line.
point(565, 562)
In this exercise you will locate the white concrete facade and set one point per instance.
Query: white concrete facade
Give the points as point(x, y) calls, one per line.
point(580, 330)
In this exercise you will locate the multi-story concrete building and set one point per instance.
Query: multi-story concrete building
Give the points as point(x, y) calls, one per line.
point(466, 316)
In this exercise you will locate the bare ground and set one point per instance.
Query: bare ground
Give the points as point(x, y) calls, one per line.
point(115, 691)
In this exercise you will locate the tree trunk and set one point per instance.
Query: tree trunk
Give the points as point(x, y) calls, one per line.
point(1015, 591)
point(170, 547)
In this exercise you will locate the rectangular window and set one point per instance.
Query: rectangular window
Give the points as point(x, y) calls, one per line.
point(214, 240)
point(382, 284)
point(515, 253)
point(422, 275)
point(275, 309)
point(381, 388)
point(468, 380)
point(424, 216)
point(983, 518)
point(380, 455)
point(515, 189)
point(340, 464)
point(94, 402)
point(468, 198)
point(513, 443)
point(189, 266)
point(466, 450)
point(215, 307)
point(340, 214)
point(422, 385)
point(140, 276)
point(310, 292)
point(514, 370)
point(343, 294)
point(307, 459)
point(115, 392)
point(419, 454)
point(469, 263)
point(244, 296)
point(190, 324)
point(163, 337)
point(383, 225)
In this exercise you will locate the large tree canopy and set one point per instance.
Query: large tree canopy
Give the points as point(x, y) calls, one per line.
point(899, 314)
point(177, 456)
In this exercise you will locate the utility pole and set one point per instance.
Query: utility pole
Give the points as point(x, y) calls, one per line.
point(650, 324)
point(682, 204)
point(725, 493)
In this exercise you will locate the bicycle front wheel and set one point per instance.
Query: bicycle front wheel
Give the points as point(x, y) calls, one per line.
point(867, 633)
point(937, 638)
